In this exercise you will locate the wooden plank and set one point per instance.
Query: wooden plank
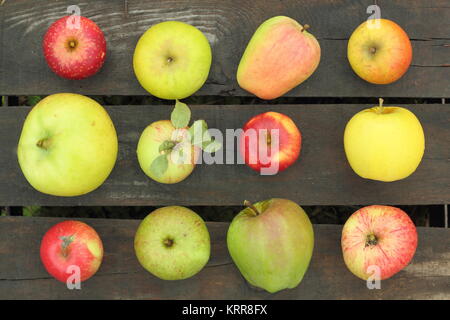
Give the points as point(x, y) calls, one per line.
point(22, 275)
point(228, 26)
point(321, 176)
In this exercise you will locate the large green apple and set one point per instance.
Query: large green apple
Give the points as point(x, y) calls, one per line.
point(68, 145)
point(172, 60)
point(172, 243)
point(271, 243)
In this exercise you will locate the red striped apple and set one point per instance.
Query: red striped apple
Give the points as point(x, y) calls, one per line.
point(74, 50)
point(270, 142)
point(379, 51)
point(379, 239)
point(280, 56)
point(71, 244)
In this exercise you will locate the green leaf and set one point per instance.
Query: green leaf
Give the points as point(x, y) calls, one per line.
point(33, 100)
point(181, 115)
point(166, 145)
point(211, 146)
point(159, 165)
point(31, 211)
point(198, 132)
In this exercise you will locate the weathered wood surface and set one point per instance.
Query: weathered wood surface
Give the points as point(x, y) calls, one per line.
point(320, 176)
point(22, 275)
point(228, 26)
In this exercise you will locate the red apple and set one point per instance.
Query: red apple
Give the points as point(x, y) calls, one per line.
point(380, 236)
point(270, 142)
point(71, 243)
point(74, 51)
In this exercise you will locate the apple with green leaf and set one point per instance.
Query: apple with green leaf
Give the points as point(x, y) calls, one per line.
point(168, 150)
point(172, 60)
point(172, 243)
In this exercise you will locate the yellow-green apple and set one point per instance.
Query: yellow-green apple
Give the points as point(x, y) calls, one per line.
point(172, 60)
point(181, 154)
point(271, 243)
point(68, 145)
point(270, 142)
point(71, 244)
point(378, 241)
point(172, 243)
point(384, 143)
point(74, 49)
point(168, 150)
point(379, 51)
point(280, 56)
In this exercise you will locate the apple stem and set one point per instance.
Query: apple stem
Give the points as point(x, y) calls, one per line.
point(250, 205)
point(44, 144)
point(380, 107)
point(305, 27)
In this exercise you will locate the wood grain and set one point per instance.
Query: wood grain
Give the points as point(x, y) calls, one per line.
point(22, 275)
point(228, 25)
point(321, 176)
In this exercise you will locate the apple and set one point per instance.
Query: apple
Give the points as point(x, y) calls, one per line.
point(379, 51)
point(280, 56)
point(271, 243)
point(68, 244)
point(178, 167)
point(172, 60)
point(378, 238)
point(172, 243)
point(270, 142)
point(168, 150)
point(384, 143)
point(68, 145)
point(74, 50)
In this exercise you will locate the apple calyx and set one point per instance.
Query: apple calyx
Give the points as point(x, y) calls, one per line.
point(380, 107)
point(44, 143)
point(72, 44)
point(371, 240)
point(66, 241)
point(253, 209)
point(168, 242)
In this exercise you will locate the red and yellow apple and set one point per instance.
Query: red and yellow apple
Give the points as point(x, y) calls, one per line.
point(384, 143)
point(379, 239)
point(280, 56)
point(270, 142)
point(379, 51)
point(68, 244)
point(74, 50)
point(271, 243)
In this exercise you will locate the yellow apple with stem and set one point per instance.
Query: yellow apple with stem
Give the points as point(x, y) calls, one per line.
point(384, 143)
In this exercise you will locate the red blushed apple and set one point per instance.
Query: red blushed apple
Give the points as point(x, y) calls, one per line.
point(71, 243)
point(74, 51)
point(378, 238)
point(270, 142)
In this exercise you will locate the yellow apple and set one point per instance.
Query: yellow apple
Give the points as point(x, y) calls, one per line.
point(68, 145)
point(181, 157)
point(379, 51)
point(172, 60)
point(384, 143)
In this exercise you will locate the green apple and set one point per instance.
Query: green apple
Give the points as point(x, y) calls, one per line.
point(271, 242)
point(168, 150)
point(68, 145)
point(172, 60)
point(172, 243)
point(181, 154)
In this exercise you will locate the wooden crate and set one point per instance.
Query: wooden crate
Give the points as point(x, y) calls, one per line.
point(321, 177)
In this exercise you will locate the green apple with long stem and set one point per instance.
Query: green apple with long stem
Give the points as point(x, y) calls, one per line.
point(68, 145)
point(172, 60)
point(271, 242)
point(172, 243)
point(168, 150)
